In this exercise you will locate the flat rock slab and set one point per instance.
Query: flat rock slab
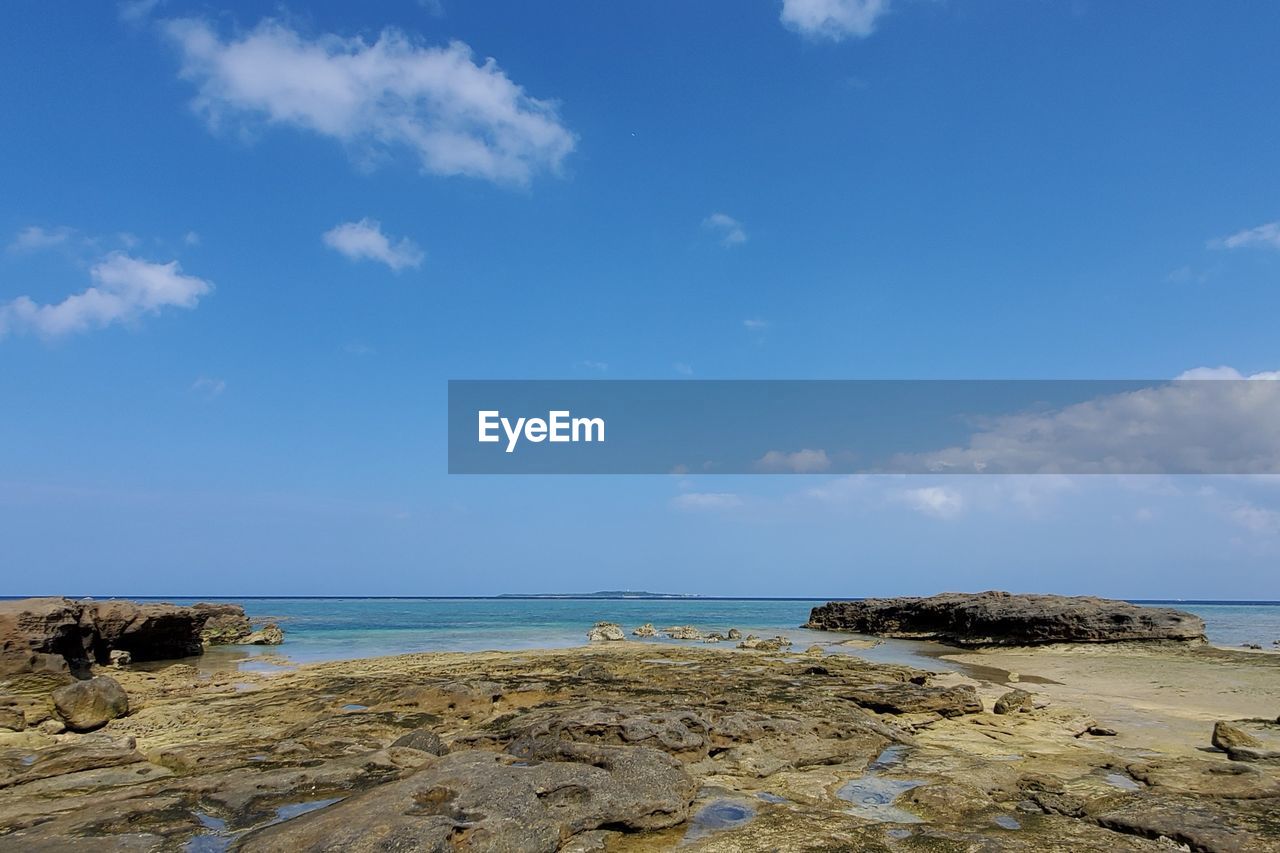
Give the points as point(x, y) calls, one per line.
point(1221, 826)
point(908, 698)
point(1003, 619)
point(485, 801)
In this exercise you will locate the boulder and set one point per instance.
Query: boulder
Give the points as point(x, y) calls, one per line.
point(605, 631)
point(1013, 702)
point(645, 630)
point(88, 705)
point(478, 800)
point(1003, 619)
point(1248, 740)
point(734, 634)
point(120, 658)
point(908, 698)
point(683, 632)
point(147, 631)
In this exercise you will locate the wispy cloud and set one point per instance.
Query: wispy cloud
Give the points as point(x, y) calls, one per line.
point(834, 20)
point(728, 229)
point(1254, 518)
point(1225, 372)
point(682, 368)
point(1263, 237)
point(364, 240)
point(124, 289)
point(137, 11)
point(937, 501)
point(457, 116)
point(798, 462)
point(208, 387)
point(34, 238)
point(702, 501)
point(755, 325)
point(595, 366)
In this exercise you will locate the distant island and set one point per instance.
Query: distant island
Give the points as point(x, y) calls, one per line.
point(607, 593)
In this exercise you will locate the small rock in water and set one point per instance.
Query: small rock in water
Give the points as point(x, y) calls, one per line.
point(735, 634)
point(645, 630)
point(605, 631)
point(269, 635)
point(775, 644)
point(1254, 646)
point(683, 632)
point(1100, 731)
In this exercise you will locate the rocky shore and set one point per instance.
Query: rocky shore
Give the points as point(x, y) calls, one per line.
point(629, 746)
point(63, 635)
point(1004, 619)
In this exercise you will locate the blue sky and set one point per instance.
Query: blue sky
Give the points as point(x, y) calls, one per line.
point(243, 254)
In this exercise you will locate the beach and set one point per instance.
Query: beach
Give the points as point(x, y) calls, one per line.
point(641, 746)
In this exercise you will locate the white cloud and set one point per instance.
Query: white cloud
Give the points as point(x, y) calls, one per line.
point(755, 325)
point(1193, 427)
point(799, 462)
point(456, 116)
point(835, 20)
point(729, 230)
point(209, 387)
point(1263, 237)
point(137, 11)
point(191, 238)
point(1225, 373)
point(937, 501)
point(1255, 518)
point(34, 238)
point(696, 501)
point(597, 366)
point(364, 240)
point(682, 368)
point(124, 289)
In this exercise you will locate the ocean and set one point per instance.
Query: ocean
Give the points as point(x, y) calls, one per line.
point(319, 629)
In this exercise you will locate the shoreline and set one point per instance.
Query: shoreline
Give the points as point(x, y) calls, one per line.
point(775, 734)
point(717, 742)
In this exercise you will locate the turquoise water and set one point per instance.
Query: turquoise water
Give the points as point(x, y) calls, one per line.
point(341, 628)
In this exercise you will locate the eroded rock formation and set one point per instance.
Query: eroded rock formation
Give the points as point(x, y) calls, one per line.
point(1004, 619)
